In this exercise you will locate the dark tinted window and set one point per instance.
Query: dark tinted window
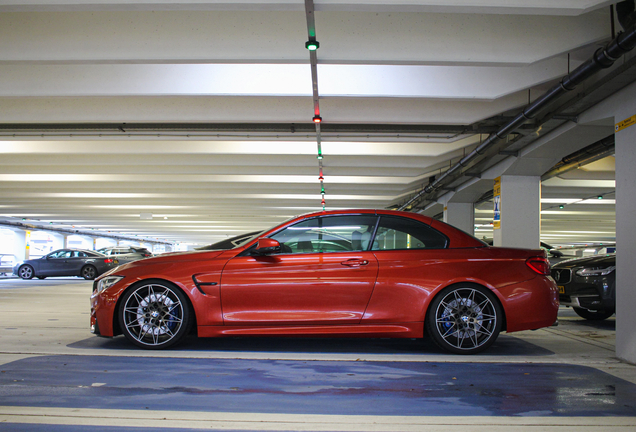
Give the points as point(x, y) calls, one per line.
point(328, 234)
point(61, 254)
point(402, 233)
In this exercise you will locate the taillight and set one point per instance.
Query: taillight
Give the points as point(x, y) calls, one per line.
point(539, 265)
point(109, 260)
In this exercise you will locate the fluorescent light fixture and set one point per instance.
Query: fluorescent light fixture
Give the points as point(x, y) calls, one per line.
point(597, 201)
point(559, 200)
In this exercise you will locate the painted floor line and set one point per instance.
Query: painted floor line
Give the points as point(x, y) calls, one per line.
point(300, 422)
point(247, 355)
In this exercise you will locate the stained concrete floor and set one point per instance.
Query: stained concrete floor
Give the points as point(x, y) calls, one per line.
point(56, 376)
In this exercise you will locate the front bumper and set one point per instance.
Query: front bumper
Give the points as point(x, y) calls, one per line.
point(589, 302)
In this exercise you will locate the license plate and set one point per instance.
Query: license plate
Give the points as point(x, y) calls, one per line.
point(561, 289)
point(117, 262)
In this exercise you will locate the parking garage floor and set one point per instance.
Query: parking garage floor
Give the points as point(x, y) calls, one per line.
point(56, 376)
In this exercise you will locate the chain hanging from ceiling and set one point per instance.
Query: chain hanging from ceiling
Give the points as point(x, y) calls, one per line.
point(312, 45)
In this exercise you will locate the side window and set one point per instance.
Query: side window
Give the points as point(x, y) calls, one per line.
point(328, 234)
point(396, 232)
point(62, 254)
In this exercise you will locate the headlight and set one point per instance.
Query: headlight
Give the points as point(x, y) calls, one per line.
point(595, 271)
point(107, 282)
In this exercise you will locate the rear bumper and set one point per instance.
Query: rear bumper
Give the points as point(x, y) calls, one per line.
point(531, 304)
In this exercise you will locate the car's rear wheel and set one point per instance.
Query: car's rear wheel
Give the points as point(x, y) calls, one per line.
point(26, 272)
point(464, 319)
point(89, 272)
point(593, 315)
point(154, 315)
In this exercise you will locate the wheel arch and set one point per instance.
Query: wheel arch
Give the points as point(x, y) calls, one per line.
point(115, 320)
point(31, 266)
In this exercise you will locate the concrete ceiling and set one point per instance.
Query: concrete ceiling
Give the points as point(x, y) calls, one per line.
point(199, 113)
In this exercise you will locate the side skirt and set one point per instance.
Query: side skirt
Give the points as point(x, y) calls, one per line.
point(401, 330)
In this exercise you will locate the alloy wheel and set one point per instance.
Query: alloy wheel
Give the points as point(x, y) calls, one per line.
point(154, 316)
point(465, 320)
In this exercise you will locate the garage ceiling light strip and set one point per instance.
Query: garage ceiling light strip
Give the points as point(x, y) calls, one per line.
point(312, 45)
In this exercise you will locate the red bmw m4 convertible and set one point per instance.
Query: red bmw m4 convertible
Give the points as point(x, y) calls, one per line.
point(355, 273)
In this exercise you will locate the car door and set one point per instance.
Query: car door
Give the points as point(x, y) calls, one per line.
point(56, 263)
point(73, 265)
point(324, 274)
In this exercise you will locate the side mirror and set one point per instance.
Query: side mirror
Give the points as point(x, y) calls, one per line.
point(266, 246)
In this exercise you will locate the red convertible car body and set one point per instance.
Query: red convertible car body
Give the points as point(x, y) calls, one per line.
point(366, 273)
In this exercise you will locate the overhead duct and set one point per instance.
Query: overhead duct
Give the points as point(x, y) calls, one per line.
point(625, 13)
point(603, 58)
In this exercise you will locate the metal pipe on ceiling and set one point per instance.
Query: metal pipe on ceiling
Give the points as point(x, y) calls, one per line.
point(596, 151)
point(599, 150)
point(603, 58)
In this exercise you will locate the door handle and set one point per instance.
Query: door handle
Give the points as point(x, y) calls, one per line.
point(354, 262)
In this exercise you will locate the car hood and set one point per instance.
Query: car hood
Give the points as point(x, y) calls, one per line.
point(168, 258)
point(592, 261)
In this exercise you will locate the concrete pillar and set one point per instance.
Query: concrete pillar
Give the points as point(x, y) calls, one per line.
point(20, 245)
point(520, 207)
point(27, 245)
point(626, 233)
point(460, 215)
point(59, 241)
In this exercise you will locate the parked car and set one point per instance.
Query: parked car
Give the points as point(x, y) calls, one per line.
point(230, 243)
point(588, 285)
point(399, 274)
point(126, 254)
point(6, 263)
point(66, 262)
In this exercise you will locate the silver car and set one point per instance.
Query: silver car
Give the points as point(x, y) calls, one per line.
point(126, 254)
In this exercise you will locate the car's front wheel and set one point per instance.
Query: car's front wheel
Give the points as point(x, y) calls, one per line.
point(154, 315)
point(593, 315)
point(26, 272)
point(464, 319)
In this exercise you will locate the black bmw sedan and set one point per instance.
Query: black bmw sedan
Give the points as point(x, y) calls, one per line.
point(66, 262)
point(588, 285)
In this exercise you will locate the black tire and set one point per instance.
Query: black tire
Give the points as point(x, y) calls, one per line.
point(464, 319)
point(154, 315)
point(88, 272)
point(26, 272)
point(599, 315)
